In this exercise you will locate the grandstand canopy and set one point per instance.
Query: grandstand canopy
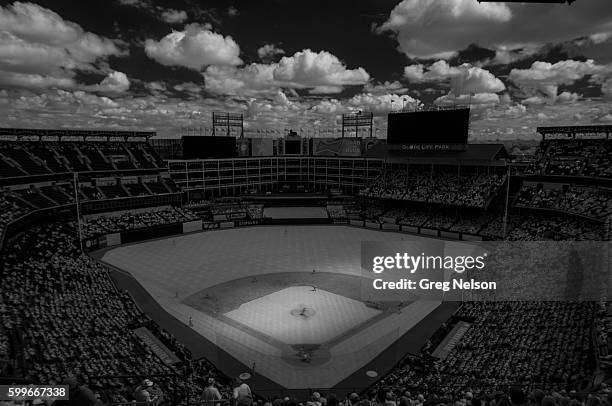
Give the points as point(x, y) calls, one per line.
point(474, 154)
point(573, 130)
point(21, 133)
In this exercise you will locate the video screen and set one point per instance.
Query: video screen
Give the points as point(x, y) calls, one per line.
point(429, 127)
point(209, 147)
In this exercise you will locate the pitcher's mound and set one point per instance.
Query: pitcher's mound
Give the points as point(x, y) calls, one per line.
point(302, 311)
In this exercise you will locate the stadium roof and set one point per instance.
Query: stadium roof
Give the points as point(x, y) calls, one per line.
point(474, 154)
point(19, 133)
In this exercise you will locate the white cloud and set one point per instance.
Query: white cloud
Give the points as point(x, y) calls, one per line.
point(478, 100)
point(39, 49)
point(325, 90)
point(37, 24)
point(567, 97)
point(551, 98)
point(535, 101)
point(464, 79)
point(601, 37)
point(188, 87)
point(251, 80)
point(329, 107)
point(34, 80)
point(505, 55)
point(268, 51)
point(114, 82)
point(311, 69)
point(320, 72)
point(157, 88)
point(386, 87)
point(174, 16)
point(437, 29)
point(545, 77)
point(134, 3)
point(381, 103)
point(195, 47)
point(563, 72)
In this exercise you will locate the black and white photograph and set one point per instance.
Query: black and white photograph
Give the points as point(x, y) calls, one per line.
point(305, 203)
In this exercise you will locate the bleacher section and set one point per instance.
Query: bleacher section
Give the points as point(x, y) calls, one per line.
point(34, 158)
point(34, 198)
point(579, 157)
point(48, 155)
point(111, 223)
point(442, 187)
point(17, 153)
point(585, 201)
point(58, 194)
point(136, 189)
point(113, 191)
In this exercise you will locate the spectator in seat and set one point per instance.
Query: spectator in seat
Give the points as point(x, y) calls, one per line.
point(354, 399)
point(146, 393)
point(242, 393)
point(318, 400)
point(211, 393)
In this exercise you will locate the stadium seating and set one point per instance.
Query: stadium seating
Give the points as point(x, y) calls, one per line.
point(110, 223)
point(439, 187)
point(72, 319)
point(34, 158)
point(584, 201)
point(525, 345)
point(573, 158)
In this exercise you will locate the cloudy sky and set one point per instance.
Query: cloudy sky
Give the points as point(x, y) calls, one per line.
point(163, 65)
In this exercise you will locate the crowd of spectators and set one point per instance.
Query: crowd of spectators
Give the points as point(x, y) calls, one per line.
point(74, 322)
point(585, 201)
point(471, 224)
point(449, 188)
point(10, 209)
point(110, 223)
point(547, 227)
point(72, 319)
point(573, 158)
point(528, 345)
point(488, 225)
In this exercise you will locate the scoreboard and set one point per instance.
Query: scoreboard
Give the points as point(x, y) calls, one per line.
point(195, 147)
point(429, 130)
